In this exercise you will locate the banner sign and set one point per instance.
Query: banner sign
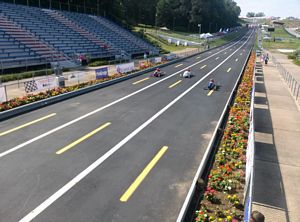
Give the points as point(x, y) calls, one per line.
point(76, 76)
point(40, 84)
point(101, 73)
point(46, 83)
point(126, 67)
point(3, 97)
point(157, 60)
point(171, 56)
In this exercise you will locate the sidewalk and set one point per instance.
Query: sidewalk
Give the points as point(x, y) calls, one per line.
point(277, 144)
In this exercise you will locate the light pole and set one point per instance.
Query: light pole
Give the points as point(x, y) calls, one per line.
point(199, 25)
point(156, 23)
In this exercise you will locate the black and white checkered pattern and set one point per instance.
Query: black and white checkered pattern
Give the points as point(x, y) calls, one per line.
point(30, 86)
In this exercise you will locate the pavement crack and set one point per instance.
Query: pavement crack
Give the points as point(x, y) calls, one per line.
point(30, 194)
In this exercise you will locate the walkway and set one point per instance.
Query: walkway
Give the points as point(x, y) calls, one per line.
point(277, 139)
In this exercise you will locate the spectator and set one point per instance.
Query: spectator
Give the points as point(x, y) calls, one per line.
point(257, 217)
point(266, 59)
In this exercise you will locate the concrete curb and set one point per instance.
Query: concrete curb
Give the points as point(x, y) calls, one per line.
point(45, 102)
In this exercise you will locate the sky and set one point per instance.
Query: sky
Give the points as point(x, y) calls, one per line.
point(278, 8)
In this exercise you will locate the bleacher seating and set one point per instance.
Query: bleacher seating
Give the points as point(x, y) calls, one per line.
point(32, 36)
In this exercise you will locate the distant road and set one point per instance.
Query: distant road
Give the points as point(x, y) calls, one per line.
point(293, 32)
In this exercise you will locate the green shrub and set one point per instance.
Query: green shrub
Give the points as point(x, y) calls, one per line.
point(98, 63)
point(292, 56)
point(24, 75)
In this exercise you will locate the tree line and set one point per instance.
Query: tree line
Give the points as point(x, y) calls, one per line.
point(183, 15)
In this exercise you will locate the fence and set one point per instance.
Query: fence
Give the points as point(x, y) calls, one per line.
point(36, 84)
point(291, 82)
point(248, 190)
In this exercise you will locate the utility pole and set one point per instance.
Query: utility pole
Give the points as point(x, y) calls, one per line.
point(199, 26)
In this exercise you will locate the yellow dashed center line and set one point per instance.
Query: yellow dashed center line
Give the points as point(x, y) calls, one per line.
point(142, 80)
point(228, 70)
point(143, 174)
point(171, 86)
point(71, 145)
point(203, 67)
point(27, 124)
point(236, 60)
point(178, 65)
point(210, 92)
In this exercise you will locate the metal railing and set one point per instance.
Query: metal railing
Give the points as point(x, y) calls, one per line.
point(288, 77)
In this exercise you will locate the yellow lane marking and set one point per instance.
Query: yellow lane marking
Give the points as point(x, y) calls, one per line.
point(27, 124)
point(210, 92)
point(82, 138)
point(143, 174)
point(198, 57)
point(178, 65)
point(171, 86)
point(228, 70)
point(217, 58)
point(142, 80)
point(236, 60)
point(203, 67)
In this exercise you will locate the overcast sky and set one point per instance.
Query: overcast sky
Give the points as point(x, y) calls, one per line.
point(281, 8)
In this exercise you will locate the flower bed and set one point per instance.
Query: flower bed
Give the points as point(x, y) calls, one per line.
point(223, 197)
point(19, 101)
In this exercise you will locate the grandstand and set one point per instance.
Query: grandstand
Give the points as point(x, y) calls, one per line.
point(34, 36)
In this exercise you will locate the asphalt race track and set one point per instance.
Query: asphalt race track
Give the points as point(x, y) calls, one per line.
point(127, 152)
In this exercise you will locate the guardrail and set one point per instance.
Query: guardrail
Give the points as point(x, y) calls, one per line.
point(248, 190)
point(192, 200)
point(291, 82)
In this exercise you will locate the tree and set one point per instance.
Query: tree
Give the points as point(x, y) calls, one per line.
point(260, 14)
point(250, 14)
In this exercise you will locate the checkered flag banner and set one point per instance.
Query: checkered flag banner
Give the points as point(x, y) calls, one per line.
point(30, 86)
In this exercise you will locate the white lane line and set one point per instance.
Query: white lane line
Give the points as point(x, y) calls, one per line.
point(217, 58)
point(103, 107)
point(30, 216)
point(200, 168)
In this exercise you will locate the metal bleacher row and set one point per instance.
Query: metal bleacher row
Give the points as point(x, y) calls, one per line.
point(33, 36)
